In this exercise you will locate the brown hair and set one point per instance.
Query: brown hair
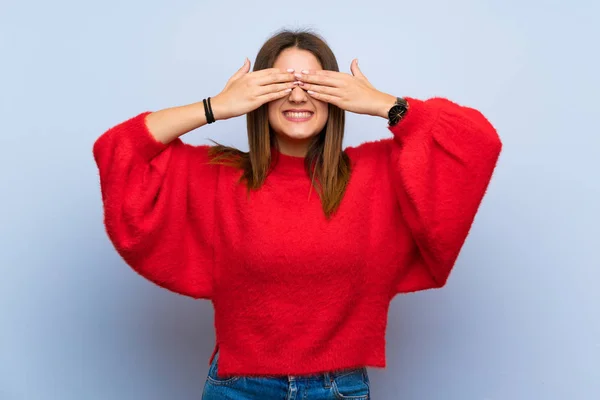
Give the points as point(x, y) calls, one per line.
point(325, 162)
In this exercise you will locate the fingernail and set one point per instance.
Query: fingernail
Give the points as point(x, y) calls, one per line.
point(305, 71)
point(297, 83)
point(290, 70)
point(310, 92)
point(288, 90)
point(297, 75)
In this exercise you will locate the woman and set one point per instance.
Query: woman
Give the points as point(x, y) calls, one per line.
point(299, 245)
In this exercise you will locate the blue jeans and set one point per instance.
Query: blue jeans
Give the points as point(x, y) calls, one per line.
point(349, 384)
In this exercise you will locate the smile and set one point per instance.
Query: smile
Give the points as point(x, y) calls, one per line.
point(298, 116)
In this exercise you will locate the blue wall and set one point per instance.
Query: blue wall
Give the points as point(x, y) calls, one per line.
point(519, 318)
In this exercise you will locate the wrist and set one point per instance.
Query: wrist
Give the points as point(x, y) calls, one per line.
point(217, 108)
point(387, 101)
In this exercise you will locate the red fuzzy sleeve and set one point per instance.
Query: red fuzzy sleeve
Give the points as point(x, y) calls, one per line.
point(442, 158)
point(158, 206)
point(437, 167)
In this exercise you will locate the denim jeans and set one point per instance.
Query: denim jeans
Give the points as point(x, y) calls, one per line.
point(349, 384)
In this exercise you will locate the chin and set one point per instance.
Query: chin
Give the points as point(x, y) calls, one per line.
point(295, 135)
point(303, 130)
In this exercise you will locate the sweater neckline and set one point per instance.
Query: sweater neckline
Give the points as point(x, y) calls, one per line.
point(286, 164)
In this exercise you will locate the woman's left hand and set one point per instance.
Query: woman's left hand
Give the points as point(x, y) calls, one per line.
point(352, 93)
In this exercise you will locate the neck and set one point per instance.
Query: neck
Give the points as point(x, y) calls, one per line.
point(293, 147)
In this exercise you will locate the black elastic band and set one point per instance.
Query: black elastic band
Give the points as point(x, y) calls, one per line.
point(212, 116)
point(208, 111)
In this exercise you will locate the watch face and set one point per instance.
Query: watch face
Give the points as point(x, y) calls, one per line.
point(397, 111)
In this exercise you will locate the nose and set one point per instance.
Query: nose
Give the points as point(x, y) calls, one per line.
point(297, 95)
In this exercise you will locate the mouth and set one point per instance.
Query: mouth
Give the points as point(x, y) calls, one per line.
point(298, 115)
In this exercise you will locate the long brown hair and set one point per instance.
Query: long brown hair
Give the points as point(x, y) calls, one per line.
point(325, 162)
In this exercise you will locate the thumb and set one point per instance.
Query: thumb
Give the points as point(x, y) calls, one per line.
point(355, 70)
point(242, 71)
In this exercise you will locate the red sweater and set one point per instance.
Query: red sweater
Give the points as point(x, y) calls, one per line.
point(294, 293)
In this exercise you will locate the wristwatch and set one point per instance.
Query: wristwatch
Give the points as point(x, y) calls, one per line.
point(398, 111)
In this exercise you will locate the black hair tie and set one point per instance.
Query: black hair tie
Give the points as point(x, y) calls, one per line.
point(210, 118)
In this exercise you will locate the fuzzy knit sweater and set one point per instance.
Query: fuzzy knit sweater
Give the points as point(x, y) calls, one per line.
point(293, 292)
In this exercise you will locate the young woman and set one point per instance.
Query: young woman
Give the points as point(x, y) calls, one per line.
point(299, 244)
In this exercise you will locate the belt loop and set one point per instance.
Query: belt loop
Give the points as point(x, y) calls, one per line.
point(327, 380)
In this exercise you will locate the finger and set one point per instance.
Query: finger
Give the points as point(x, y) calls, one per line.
point(355, 69)
point(319, 79)
point(275, 78)
point(267, 71)
point(320, 89)
point(325, 97)
point(276, 87)
point(274, 96)
point(324, 72)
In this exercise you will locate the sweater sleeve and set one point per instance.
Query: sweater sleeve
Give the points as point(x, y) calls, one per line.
point(158, 205)
point(439, 163)
point(442, 158)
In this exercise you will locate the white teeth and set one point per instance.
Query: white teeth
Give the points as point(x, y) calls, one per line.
point(298, 115)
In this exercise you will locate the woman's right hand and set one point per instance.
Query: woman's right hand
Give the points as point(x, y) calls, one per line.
point(246, 91)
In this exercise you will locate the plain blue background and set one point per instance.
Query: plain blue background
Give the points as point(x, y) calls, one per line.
point(519, 318)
